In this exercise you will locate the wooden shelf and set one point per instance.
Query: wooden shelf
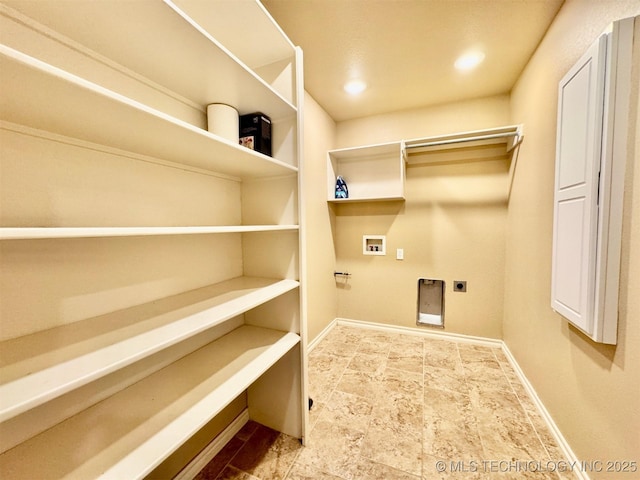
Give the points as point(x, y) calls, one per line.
point(62, 103)
point(164, 42)
point(372, 172)
point(39, 367)
point(129, 434)
point(27, 233)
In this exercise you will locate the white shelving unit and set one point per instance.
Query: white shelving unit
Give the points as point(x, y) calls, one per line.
point(47, 364)
point(377, 172)
point(150, 419)
point(129, 328)
point(372, 172)
point(155, 133)
point(196, 54)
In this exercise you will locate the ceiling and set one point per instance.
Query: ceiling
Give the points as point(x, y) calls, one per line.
point(405, 49)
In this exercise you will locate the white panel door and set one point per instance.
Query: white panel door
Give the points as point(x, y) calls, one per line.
point(580, 109)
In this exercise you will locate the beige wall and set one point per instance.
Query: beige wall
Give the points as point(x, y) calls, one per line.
point(591, 390)
point(319, 136)
point(451, 226)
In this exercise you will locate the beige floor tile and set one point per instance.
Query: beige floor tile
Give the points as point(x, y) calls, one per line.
point(445, 403)
point(337, 348)
point(374, 347)
point(231, 473)
point(441, 358)
point(478, 354)
point(315, 411)
point(489, 402)
point(363, 384)
point(332, 448)
point(391, 406)
point(397, 446)
point(400, 382)
point(440, 469)
point(407, 360)
point(409, 344)
point(348, 409)
point(372, 335)
point(510, 437)
point(435, 344)
point(325, 371)
point(486, 377)
point(370, 470)
point(343, 334)
point(517, 473)
point(511, 374)
point(323, 362)
point(305, 472)
point(267, 454)
point(398, 413)
point(247, 430)
point(446, 379)
point(453, 438)
point(373, 363)
point(218, 464)
point(320, 389)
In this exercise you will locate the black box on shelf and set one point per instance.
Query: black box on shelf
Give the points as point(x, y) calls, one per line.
point(255, 132)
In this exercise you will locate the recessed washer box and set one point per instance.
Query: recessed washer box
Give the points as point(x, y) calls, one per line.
point(374, 245)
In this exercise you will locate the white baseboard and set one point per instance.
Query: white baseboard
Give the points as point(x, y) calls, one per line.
point(568, 453)
point(454, 337)
point(314, 343)
point(206, 455)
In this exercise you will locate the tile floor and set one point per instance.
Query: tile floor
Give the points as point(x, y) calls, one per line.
point(392, 406)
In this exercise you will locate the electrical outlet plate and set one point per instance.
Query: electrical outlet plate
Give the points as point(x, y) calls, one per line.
point(459, 285)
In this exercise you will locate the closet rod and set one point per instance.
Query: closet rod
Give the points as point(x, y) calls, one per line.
point(461, 140)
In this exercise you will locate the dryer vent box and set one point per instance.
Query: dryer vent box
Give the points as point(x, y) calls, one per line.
point(430, 302)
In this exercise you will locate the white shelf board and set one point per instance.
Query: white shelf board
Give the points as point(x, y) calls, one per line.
point(26, 233)
point(130, 433)
point(165, 43)
point(262, 43)
point(62, 103)
point(357, 153)
point(366, 199)
point(39, 367)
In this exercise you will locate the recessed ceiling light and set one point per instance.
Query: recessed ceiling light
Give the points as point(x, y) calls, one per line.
point(468, 61)
point(354, 87)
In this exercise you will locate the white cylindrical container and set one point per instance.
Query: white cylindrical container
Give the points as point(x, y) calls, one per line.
point(223, 120)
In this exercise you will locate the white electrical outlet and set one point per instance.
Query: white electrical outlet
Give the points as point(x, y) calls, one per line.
point(400, 254)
